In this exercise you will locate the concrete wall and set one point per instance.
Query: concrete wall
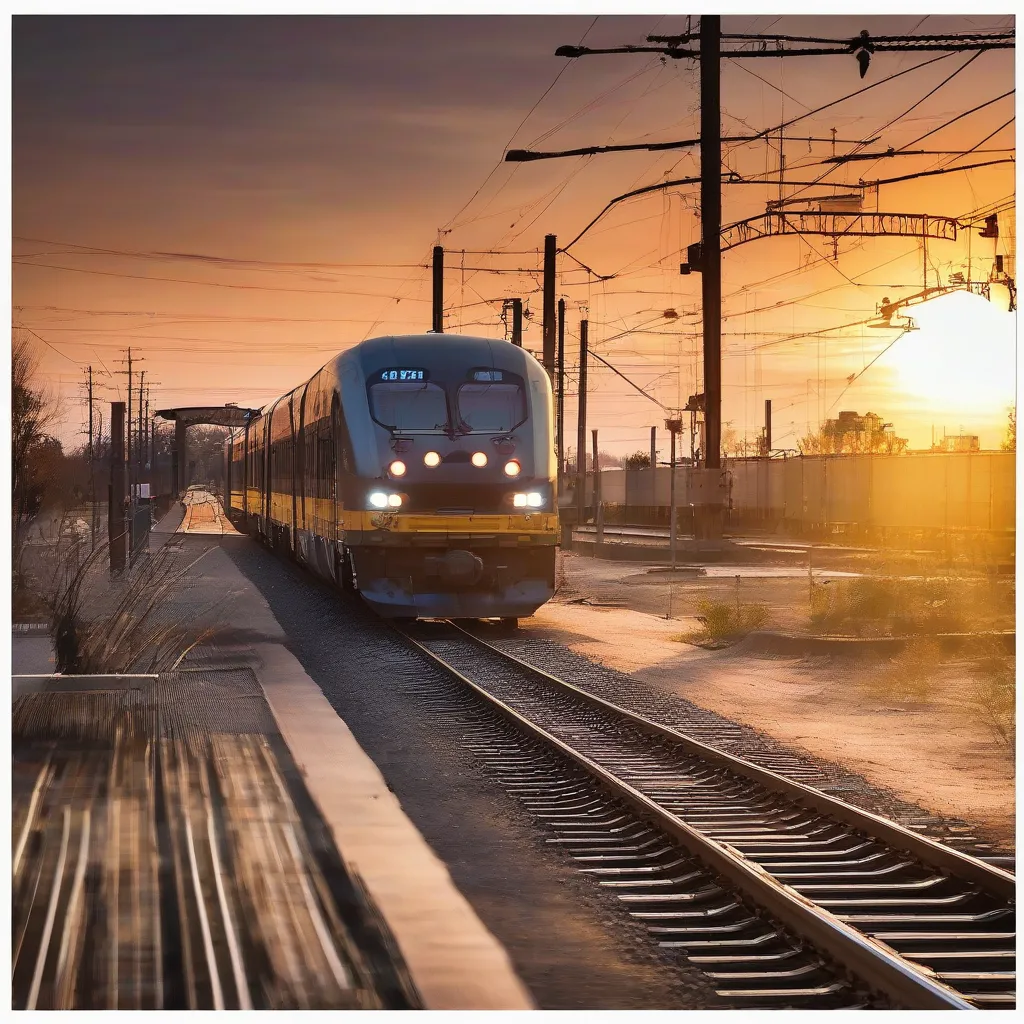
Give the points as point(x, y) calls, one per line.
point(940, 491)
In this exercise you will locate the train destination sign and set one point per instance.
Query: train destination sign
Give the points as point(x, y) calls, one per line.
point(403, 373)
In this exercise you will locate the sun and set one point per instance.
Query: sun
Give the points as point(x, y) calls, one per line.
point(963, 357)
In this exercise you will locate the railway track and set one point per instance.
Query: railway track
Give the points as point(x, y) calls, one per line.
point(783, 895)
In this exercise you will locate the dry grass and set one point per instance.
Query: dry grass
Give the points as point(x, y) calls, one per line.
point(723, 623)
point(121, 625)
point(910, 677)
point(918, 675)
point(992, 697)
point(922, 606)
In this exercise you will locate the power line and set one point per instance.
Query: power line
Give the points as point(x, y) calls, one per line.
point(864, 44)
point(893, 121)
point(974, 148)
point(210, 258)
point(959, 117)
point(24, 327)
point(208, 284)
point(451, 223)
point(861, 372)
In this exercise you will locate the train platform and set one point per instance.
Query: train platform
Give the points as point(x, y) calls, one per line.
point(215, 837)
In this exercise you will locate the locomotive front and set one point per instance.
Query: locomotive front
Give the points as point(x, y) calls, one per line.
point(451, 509)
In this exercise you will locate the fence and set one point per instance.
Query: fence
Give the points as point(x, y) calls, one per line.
point(869, 498)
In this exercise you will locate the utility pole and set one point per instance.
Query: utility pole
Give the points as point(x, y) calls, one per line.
point(517, 323)
point(139, 450)
point(128, 432)
point(711, 231)
point(89, 388)
point(115, 509)
point(92, 471)
point(654, 466)
point(560, 418)
point(581, 429)
point(598, 508)
point(549, 305)
point(144, 431)
point(768, 426)
point(438, 318)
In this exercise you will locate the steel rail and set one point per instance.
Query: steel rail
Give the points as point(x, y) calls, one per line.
point(42, 781)
point(204, 922)
point(51, 913)
point(997, 881)
point(234, 946)
point(74, 920)
point(875, 963)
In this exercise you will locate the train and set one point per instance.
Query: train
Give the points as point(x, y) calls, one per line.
point(418, 471)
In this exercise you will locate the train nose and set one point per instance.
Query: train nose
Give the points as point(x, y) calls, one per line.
point(459, 567)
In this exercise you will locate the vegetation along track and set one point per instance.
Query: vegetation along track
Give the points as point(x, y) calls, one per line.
point(782, 894)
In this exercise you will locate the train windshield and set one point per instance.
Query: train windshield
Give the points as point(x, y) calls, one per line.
point(409, 405)
point(491, 406)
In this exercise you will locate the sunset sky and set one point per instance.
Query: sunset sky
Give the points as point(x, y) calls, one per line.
point(239, 198)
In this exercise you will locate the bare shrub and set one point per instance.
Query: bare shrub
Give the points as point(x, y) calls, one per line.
point(724, 622)
point(902, 606)
point(911, 676)
point(992, 696)
point(126, 626)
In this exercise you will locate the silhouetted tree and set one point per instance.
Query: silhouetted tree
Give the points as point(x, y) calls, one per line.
point(638, 460)
point(1010, 440)
point(31, 447)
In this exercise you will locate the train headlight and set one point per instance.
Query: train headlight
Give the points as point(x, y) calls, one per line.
point(431, 459)
point(534, 499)
point(378, 499)
point(395, 500)
point(397, 468)
point(519, 500)
point(479, 459)
point(512, 468)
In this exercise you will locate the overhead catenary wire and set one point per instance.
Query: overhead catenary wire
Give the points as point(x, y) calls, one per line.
point(959, 117)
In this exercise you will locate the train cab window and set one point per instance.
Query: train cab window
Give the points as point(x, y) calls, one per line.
point(409, 405)
point(491, 406)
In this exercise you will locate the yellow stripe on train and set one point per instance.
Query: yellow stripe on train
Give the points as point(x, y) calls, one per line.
point(397, 522)
point(318, 513)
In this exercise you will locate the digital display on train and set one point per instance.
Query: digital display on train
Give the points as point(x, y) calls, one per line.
point(403, 373)
point(488, 375)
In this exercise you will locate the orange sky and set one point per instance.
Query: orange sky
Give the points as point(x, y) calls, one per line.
point(347, 143)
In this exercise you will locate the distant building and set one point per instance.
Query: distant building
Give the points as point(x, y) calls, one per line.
point(850, 434)
point(852, 423)
point(958, 443)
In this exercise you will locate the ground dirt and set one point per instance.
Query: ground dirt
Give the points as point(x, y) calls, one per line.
point(932, 752)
